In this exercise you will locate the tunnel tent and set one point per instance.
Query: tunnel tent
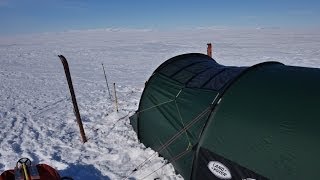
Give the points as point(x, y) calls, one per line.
point(223, 122)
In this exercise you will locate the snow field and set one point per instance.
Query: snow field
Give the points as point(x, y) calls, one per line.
point(36, 113)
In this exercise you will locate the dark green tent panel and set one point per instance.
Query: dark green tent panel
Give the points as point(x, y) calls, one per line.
point(221, 122)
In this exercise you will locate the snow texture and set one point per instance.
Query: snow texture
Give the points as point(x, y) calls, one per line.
point(36, 111)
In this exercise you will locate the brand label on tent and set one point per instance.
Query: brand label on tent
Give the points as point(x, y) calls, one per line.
point(213, 166)
point(219, 170)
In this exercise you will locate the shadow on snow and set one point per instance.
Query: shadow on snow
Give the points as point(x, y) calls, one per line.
point(80, 172)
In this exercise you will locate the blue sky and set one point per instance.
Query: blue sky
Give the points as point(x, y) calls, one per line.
point(29, 16)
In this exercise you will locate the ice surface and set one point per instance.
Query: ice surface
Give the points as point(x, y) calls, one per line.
point(36, 112)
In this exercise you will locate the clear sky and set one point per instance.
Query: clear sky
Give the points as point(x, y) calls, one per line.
point(29, 16)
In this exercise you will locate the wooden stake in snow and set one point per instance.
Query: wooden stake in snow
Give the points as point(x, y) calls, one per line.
point(115, 96)
point(105, 76)
point(73, 97)
point(209, 49)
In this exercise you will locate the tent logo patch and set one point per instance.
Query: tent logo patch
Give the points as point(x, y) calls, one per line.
point(219, 170)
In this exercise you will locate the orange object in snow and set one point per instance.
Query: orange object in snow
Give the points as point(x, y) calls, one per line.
point(45, 172)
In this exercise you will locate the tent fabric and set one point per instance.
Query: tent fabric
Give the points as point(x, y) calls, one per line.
point(198, 71)
point(164, 112)
point(233, 122)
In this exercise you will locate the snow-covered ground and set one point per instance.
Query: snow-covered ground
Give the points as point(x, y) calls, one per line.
point(36, 113)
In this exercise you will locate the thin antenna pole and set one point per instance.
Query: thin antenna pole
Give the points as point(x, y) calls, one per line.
point(105, 76)
point(73, 97)
point(115, 96)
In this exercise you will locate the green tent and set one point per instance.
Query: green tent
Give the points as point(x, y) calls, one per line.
point(221, 122)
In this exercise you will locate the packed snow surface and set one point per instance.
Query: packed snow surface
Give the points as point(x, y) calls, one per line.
point(36, 111)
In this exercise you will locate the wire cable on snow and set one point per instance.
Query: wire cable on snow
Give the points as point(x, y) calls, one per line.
point(171, 161)
point(171, 140)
